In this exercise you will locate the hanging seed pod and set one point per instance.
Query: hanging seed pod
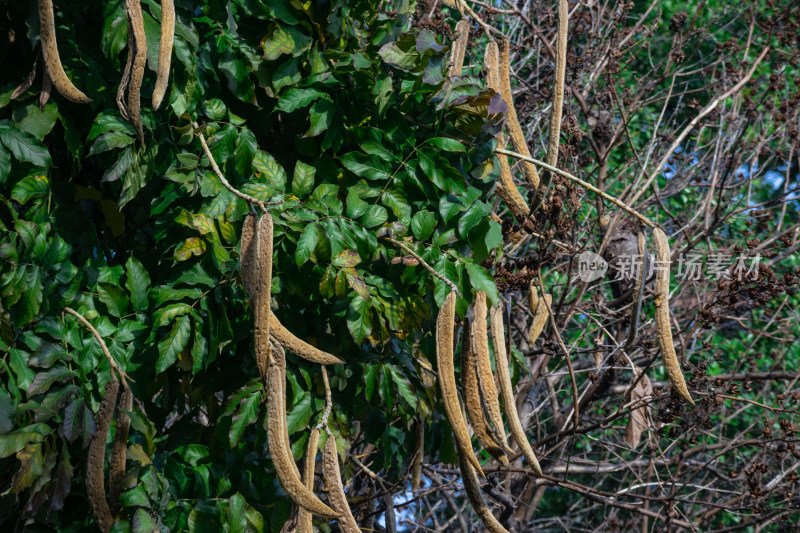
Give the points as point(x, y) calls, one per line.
point(459, 48)
point(663, 329)
point(300, 347)
point(480, 346)
point(304, 523)
point(472, 488)
point(472, 398)
point(539, 319)
point(95, 480)
point(507, 389)
point(445, 323)
point(638, 289)
point(333, 479)
point(278, 442)
point(263, 256)
point(248, 265)
point(52, 60)
point(119, 451)
point(164, 51)
point(139, 42)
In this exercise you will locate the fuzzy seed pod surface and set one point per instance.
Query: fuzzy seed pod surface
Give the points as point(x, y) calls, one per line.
point(459, 48)
point(136, 26)
point(119, 451)
point(333, 479)
point(263, 256)
point(663, 327)
point(248, 266)
point(507, 389)
point(164, 50)
point(539, 319)
point(95, 480)
point(472, 488)
point(304, 523)
point(299, 346)
point(52, 60)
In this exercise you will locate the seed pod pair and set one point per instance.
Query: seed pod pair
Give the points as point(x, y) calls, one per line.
point(304, 523)
point(445, 324)
point(262, 252)
point(507, 389)
point(472, 488)
point(506, 188)
point(278, 440)
point(663, 328)
point(459, 48)
point(480, 346)
point(472, 398)
point(333, 480)
point(119, 451)
point(95, 480)
point(52, 60)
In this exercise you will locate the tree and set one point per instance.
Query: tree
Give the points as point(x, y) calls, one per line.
point(374, 152)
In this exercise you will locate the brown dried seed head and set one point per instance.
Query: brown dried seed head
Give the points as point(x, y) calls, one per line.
point(472, 398)
point(263, 255)
point(480, 346)
point(304, 522)
point(663, 327)
point(95, 481)
point(119, 451)
point(164, 50)
point(507, 389)
point(472, 488)
point(333, 479)
point(514, 129)
point(299, 346)
point(52, 61)
point(445, 323)
point(136, 26)
point(459, 48)
point(278, 441)
point(539, 319)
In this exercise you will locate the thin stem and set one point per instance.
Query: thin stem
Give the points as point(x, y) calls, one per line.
point(114, 366)
point(422, 262)
point(246, 197)
point(580, 182)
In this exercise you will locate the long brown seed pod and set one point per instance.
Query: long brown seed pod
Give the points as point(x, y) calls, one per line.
point(472, 398)
point(480, 346)
point(506, 188)
point(416, 469)
point(136, 25)
point(52, 61)
point(663, 329)
point(333, 479)
point(95, 481)
point(164, 50)
point(539, 320)
point(304, 524)
point(533, 297)
point(558, 101)
point(122, 105)
point(472, 488)
point(47, 87)
point(638, 289)
point(263, 257)
point(119, 450)
point(459, 48)
point(248, 266)
point(514, 129)
point(507, 388)
point(278, 442)
point(299, 346)
point(445, 323)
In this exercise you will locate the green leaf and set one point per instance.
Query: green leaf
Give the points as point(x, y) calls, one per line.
point(306, 243)
point(482, 281)
point(375, 216)
point(355, 205)
point(268, 169)
point(294, 99)
point(322, 114)
point(214, 109)
point(422, 224)
point(401, 53)
point(246, 147)
point(135, 497)
point(29, 188)
point(172, 344)
point(347, 258)
point(404, 386)
point(447, 144)
point(366, 166)
point(23, 145)
point(137, 283)
point(300, 415)
point(359, 318)
point(109, 141)
point(31, 460)
point(35, 121)
point(114, 297)
point(303, 180)
point(245, 415)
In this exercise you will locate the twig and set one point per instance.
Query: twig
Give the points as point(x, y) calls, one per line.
point(246, 197)
point(558, 103)
point(580, 182)
point(114, 366)
point(422, 262)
